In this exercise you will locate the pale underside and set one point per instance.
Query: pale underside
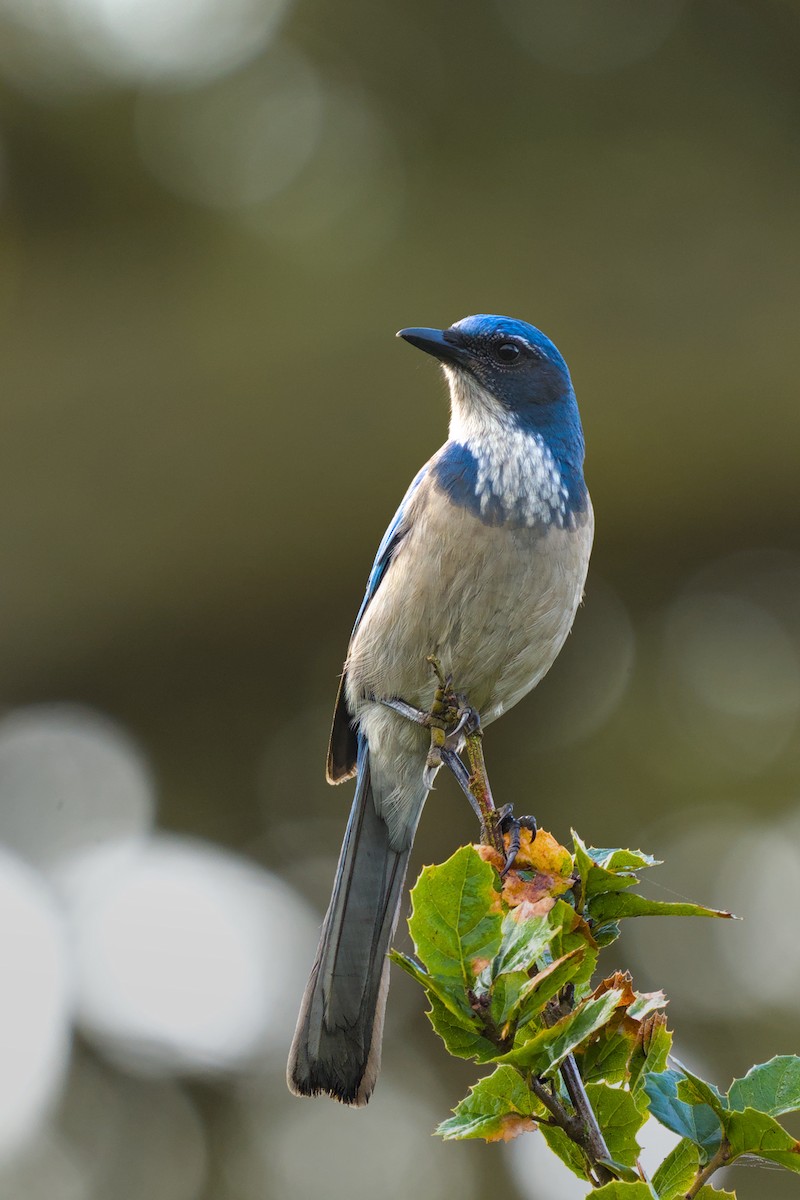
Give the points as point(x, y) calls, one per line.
point(493, 604)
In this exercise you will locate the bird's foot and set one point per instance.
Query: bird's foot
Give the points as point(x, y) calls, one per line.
point(511, 825)
point(450, 721)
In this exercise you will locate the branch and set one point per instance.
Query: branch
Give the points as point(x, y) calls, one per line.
point(482, 792)
point(583, 1129)
point(713, 1164)
point(595, 1144)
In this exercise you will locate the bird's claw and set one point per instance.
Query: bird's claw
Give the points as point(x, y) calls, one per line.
point(513, 826)
point(468, 722)
point(430, 771)
point(434, 757)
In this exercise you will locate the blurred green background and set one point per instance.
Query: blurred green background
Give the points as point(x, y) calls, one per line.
point(214, 214)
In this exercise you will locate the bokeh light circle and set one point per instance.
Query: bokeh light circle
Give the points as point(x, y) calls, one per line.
point(590, 36)
point(386, 1147)
point(69, 777)
point(238, 141)
point(35, 1004)
point(731, 674)
point(187, 958)
point(172, 39)
point(103, 1111)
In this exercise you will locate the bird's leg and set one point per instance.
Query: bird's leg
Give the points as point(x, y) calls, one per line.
point(442, 715)
point(455, 725)
point(408, 711)
point(447, 720)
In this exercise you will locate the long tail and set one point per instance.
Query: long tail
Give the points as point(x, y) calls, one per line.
point(337, 1043)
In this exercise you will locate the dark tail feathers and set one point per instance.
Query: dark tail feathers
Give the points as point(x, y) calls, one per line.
point(337, 1043)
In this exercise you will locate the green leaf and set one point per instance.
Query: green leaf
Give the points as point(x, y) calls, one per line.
point(696, 1091)
point(498, 1108)
point(677, 1171)
point(619, 1119)
point(595, 879)
point(570, 1154)
point(547, 1049)
point(620, 1170)
point(604, 935)
point(607, 1057)
point(583, 860)
point(454, 1000)
point(570, 931)
point(547, 983)
point(772, 1087)
point(505, 996)
point(697, 1122)
point(460, 1041)
point(523, 941)
point(651, 1051)
point(752, 1132)
point(618, 1190)
point(613, 906)
point(709, 1193)
point(454, 923)
point(603, 871)
point(646, 1003)
point(624, 860)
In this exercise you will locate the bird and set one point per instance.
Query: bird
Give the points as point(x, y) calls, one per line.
point(483, 566)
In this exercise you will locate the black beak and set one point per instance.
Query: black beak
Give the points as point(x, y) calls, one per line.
point(433, 341)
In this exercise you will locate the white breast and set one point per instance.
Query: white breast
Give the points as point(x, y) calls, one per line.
point(494, 604)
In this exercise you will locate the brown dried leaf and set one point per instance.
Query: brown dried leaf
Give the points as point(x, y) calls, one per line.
point(524, 909)
point(620, 981)
point(544, 854)
point(490, 855)
point(510, 1126)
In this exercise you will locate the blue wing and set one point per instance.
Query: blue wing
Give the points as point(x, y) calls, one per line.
point(388, 547)
point(343, 746)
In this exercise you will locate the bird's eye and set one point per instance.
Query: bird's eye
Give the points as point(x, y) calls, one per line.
point(507, 352)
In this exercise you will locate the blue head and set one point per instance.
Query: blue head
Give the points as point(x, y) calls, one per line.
point(512, 371)
point(506, 377)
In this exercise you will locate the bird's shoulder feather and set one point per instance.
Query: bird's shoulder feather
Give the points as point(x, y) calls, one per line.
point(343, 744)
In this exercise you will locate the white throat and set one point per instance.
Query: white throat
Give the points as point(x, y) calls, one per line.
point(515, 466)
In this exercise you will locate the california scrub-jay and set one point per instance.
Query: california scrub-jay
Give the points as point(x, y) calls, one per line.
point(482, 566)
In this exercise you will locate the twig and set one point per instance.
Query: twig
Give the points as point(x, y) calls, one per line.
point(576, 1128)
point(595, 1142)
point(713, 1164)
point(491, 834)
point(583, 1129)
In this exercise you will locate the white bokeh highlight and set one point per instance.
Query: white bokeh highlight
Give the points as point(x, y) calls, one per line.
point(172, 39)
point(186, 958)
point(297, 1148)
point(761, 872)
point(35, 1004)
point(69, 778)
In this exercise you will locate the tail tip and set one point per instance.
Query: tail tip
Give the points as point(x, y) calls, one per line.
point(354, 1093)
